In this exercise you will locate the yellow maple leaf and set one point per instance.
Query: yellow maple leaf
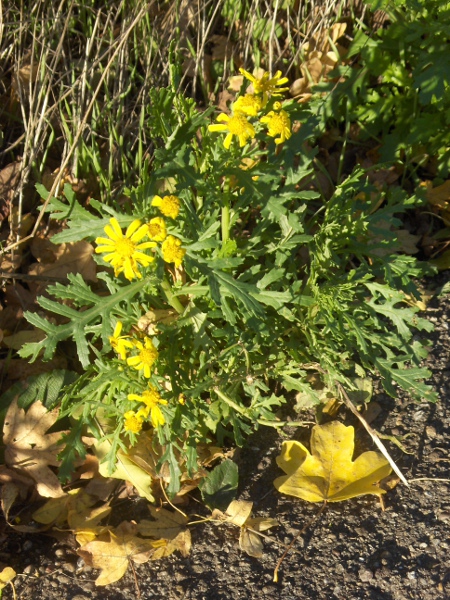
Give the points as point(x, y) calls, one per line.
point(328, 473)
point(29, 449)
point(114, 555)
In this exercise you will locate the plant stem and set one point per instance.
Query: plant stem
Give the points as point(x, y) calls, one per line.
point(231, 403)
point(171, 298)
point(226, 213)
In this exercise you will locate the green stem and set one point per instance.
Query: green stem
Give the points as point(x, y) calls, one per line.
point(171, 298)
point(231, 403)
point(226, 213)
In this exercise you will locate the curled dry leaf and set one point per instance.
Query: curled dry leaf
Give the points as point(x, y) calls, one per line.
point(328, 473)
point(239, 513)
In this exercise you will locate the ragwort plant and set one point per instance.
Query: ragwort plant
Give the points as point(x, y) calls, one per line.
point(229, 286)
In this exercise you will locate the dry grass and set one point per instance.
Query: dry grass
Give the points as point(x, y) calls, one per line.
point(75, 78)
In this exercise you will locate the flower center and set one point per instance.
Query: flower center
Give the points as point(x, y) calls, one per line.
point(238, 125)
point(125, 248)
point(149, 399)
point(148, 356)
point(277, 124)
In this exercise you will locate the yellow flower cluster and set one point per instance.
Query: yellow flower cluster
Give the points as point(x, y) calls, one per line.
point(250, 105)
point(125, 251)
point(143, 356)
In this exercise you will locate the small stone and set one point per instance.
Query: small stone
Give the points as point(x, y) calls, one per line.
point(27, 546)
point(69, 567)
point(430, 431)
point(60, 553)
point(365, 575)
point(29, 569)
point(411, 575)
point(63, 579)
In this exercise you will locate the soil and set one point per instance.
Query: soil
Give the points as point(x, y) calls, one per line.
point(354, 551)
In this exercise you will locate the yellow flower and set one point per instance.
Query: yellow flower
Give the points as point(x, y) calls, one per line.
point(120, 343)
point(237, 125)
point(151, 399)
point(168, 205)
point(266, 84)
point(145, 358)
point(249, 105)
point(278, 123)
point(124, 251)
point(157, 229)
point(132, 421)
point(172, 251)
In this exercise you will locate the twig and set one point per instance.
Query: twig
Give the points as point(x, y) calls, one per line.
point(371, 432)
point(308, 524)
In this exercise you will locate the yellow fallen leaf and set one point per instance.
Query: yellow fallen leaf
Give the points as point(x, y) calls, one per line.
point(167, 524)
point(126, 469)
point(6, 576)
point(113, 556)
point(328, 473)
point(182, 543)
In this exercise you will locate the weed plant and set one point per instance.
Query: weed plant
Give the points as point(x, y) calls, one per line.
point(231, 290)
point(234, 287)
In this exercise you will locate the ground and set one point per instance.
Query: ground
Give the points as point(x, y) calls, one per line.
point(355, 550)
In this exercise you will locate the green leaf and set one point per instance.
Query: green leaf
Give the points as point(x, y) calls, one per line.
point(219, 488)
point(77, 327)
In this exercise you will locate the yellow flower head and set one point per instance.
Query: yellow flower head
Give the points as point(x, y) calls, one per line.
point(120, 343)
point(172, 251)
point(124, 251)
point(168, 205)
point(132, 421)
point(157, 229)
point(249, 105)
point(144, 359)
point(237, 125)
point(266, 84)
point(152, 400)
point(278, 124)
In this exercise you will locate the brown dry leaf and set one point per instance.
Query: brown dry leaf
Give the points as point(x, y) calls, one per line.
point(21, 368)
point(9, 179)
point(114, 555)
point(71, 257)
point(408, 241)
point(9, 493)
point(17, 340)
point(440, 195)
point(29, 449)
